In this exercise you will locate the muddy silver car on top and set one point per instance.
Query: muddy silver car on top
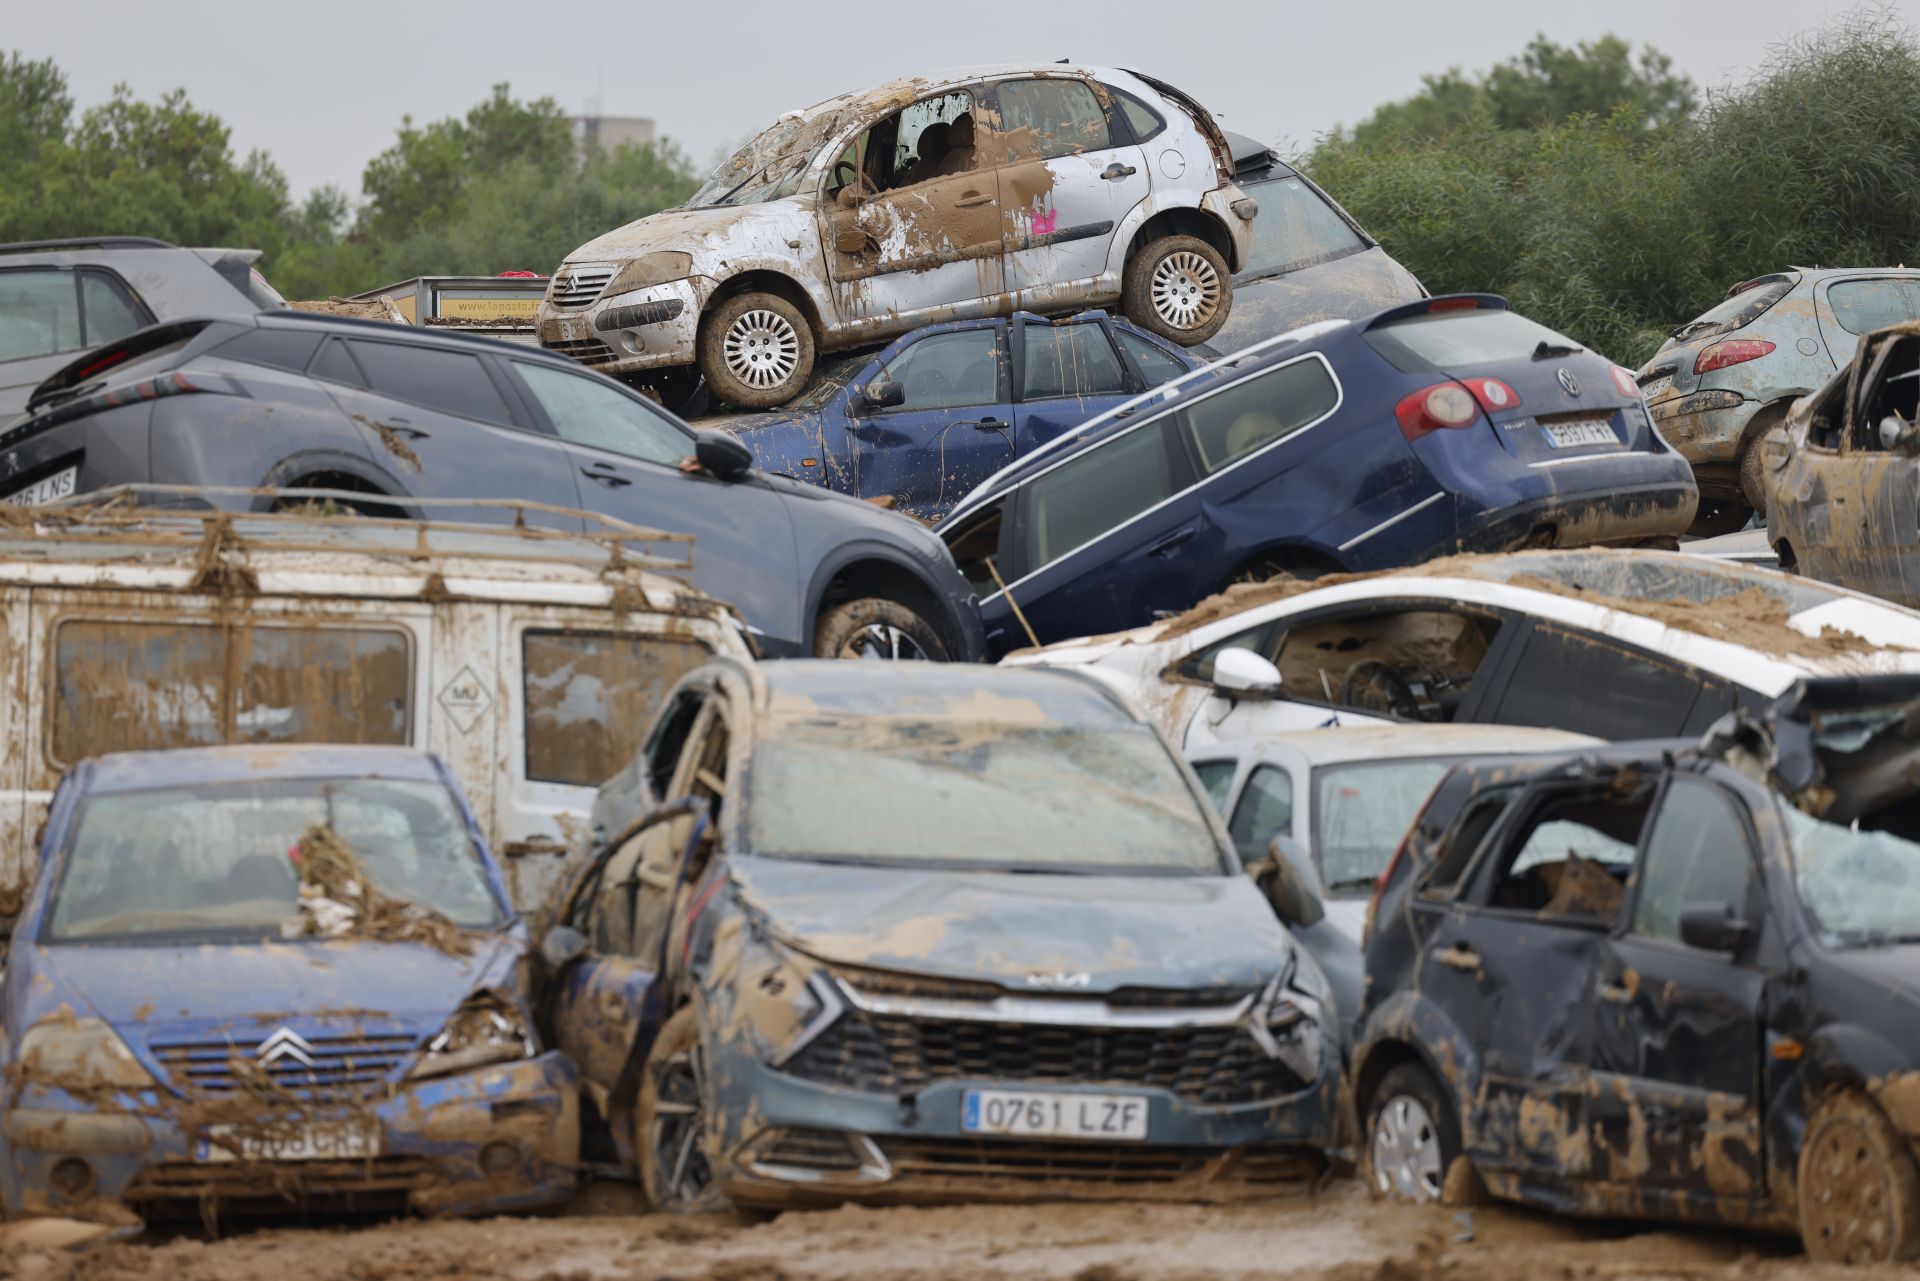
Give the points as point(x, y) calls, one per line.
point(1045, 187)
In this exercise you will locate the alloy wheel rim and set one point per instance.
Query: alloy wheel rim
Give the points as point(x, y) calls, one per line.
point(1186, 290)
point(762, 349)
point(1406, 1151)
point(678, 1118)
point(1851, 1201)
point(881, 641)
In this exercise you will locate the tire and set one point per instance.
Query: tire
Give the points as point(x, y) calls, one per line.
point(875, 628)
point(669, 1123)
point(1178, 287)
point(1719, 516)
point(1412, 1137)
point(1753, 474)
point(755, 351)
point(1858, 1187)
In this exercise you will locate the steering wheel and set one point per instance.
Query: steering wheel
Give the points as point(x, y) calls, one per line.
point(855, 179)
point(1374, 686)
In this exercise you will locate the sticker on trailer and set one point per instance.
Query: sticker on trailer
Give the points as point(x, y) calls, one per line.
point(465, 700)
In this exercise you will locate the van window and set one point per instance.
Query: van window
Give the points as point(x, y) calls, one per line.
point(592, 695)
point(140, 686)
point(1096, 492)
point(1252, 414)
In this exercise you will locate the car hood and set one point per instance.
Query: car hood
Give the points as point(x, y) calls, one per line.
point(1884, 973)
point(721, 240)
point(1019, 929)
point(1348, 288)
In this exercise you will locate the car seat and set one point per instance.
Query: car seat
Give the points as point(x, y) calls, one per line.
point(959, 153)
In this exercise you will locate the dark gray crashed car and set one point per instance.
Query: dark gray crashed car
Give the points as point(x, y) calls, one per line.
point(296, 401)
point(60, 297)
point(866, 953)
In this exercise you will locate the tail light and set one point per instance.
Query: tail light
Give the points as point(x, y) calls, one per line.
point(1623, 379)
point(1441, 406)
point(156, 388)
point(1734, 351)
point(1494, 396)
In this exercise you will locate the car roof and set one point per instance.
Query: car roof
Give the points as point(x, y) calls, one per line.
point(811, 689)
point(142, 771)
point(1337, 746)
point(447, 338)
point(909, 87)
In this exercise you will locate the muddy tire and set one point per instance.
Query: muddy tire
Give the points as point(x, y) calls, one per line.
point(1718, 516)
point(1412, 1138)
point(876, 628)
point(1178, 287)
point(1753, 474)
point(670, 1123)
point(1859, 1189)
point(755, 351)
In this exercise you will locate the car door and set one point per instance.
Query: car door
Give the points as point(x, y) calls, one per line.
point(626, 456)
point(1103, 539)
point(920, 228)
point(1870, 492)
point(952, 429)
point(1066, 185)
point(1676, 1032)
point(1067, 373)
point(438, 422)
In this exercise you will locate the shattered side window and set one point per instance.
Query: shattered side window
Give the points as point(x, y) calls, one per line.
point(1054, 117)
point(1697, 853)
point(1574, 853)
point(1862, 306)
point(137, 686)
point(1861, 888)
point(590, 696)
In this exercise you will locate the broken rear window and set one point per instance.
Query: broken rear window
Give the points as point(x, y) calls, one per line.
point(139, 686)
point(210, 861)
point(1450, 341)
point(1739, 311)
point(976, 795)
point(591, 697)
point(1861, 888)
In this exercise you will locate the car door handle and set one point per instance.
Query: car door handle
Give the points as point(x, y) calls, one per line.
point(972, 200)
point(1459, 957)
point(400, 428)
point(1116, 171)
point(1170, 544)
point(605, 475)
point(989, 424)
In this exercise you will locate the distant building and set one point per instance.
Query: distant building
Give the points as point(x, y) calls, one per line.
point(609, 132)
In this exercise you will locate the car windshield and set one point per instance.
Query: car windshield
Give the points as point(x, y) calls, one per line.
point(769, 167)
point(977, 795)
point(1446, 341)
point(1295, 228)
point(1361, 811)
point(1861, 888)
point(212, 861)
point(830, 378)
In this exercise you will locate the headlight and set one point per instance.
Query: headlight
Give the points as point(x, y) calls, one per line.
point(487, 1029)
point(1289, 1024)
point(78, 1055)
point(648, 270)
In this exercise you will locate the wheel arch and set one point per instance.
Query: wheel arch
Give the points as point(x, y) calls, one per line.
point(1284, 558)
point(766, 280)
point(869, 569)
point(1185, 220)
point(331, 469)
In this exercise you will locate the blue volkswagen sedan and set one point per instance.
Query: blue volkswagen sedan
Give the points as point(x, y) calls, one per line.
point(273, 979)
point(947, 406)
point(1445, 425)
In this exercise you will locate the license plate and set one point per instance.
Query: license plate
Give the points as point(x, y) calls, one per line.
point(321, 1141)
point(1657, 388)
point(1588, 431)
point(566, 329)
point(1045, 1114)
point(51, 489)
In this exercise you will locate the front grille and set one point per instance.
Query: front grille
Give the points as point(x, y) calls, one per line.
point(903, 1054)
point(1088, 1162)
point(588, 351)
point(343, 1067)
point(187, 1184)
point(576, 287)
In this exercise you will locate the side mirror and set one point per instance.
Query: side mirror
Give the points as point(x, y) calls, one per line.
point(1291, 883)
point(1241, 673)
point(723, 455)
point(560, 947)
point(884, 393)
point(1712, 927)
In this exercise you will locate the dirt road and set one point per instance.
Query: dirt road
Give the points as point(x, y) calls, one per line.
point(1336, 1235)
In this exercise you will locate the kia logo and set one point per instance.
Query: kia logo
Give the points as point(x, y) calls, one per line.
point(1568, 382)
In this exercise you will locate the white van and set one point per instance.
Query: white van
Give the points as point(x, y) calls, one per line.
point(530, 661)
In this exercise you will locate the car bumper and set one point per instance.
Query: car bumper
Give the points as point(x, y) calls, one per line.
point(641, 329)
point(803, 1142)
point(498, 1138)
point(1705, 426)
point(1624, 514)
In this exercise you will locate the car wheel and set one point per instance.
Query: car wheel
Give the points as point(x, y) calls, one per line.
point(1718, 516)
point(669, 1124)
point(756, 351)
point(1859, 1189)
point(1412, 1137)
point(1753, 465)
point(1179, 288)
point(875, 628)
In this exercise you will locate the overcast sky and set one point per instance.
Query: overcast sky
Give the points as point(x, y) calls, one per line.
point(322, 87)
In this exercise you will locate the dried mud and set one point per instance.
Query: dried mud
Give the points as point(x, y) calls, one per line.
point(1336, 1235)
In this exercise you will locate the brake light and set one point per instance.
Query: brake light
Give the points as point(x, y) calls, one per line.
point(1453, 304)
point(1444, 405)
point(1623, 379)
point(1494, 396)
point(1734, 351)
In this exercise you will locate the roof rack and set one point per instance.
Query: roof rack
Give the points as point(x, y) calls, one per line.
point(90, 242)
point(118, 508)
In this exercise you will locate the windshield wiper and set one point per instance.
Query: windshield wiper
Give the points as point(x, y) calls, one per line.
point(1547, 350)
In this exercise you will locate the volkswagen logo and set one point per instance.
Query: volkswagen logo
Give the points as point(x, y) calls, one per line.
point(1568, 382)
point(285, 1044)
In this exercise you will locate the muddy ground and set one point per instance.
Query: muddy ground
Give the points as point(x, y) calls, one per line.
point(1334, 1235)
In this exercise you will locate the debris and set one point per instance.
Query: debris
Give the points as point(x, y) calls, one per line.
point(338, 900)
